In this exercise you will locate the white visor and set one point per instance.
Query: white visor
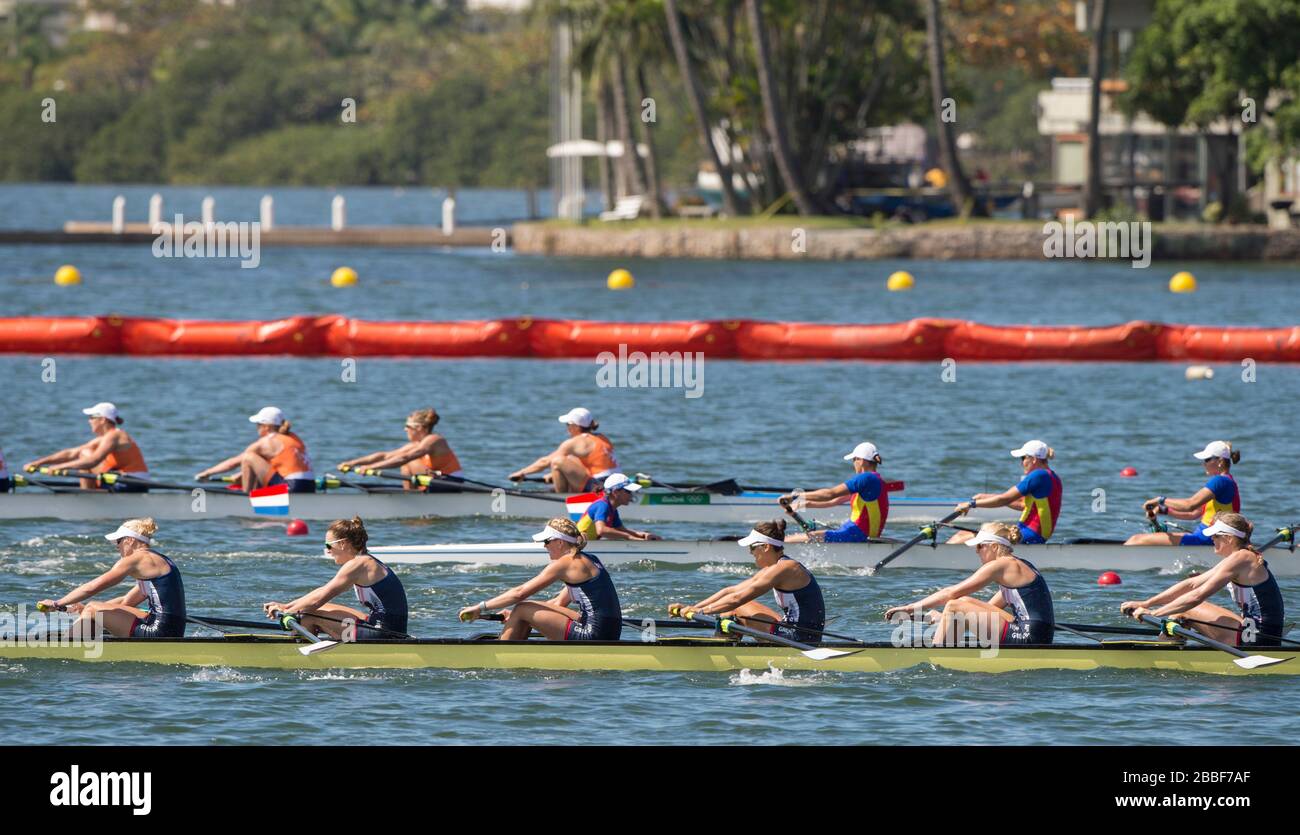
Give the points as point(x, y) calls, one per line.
point(987, 536)
point(548, 533)
point(125, 533)
point(756, 538)
point(1220, 527)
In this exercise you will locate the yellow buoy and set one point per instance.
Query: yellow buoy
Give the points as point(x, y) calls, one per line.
point(67, 275)
point(620, 280)
point(344, 277)
point(1183, 282)
point(900, 281)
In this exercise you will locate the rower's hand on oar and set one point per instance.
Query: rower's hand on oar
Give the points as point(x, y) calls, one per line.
point(469, 613)
point(1134, 610)
point(646, 536)
point(678, 610)
point(344, 467)
point(895, 611)
point(53, 606)
point(272, 608)
point(964, 507)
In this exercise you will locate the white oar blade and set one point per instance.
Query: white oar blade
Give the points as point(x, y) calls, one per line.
point(824, 654)
point(319, 646)
point(1252, 662)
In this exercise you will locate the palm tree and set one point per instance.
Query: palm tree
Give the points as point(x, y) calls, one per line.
point(773, 116)
point(1096, 54)
point(957, 182)
point(730, 200)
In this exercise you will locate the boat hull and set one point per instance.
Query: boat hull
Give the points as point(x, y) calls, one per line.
point(678, 655)
point(651, 506)
point(1085, 556)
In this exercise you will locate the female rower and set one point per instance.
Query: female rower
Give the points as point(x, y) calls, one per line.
point(601, 519)
point(1021, 590)
point(803, 609)
point(424, 453)
point(375, 584)
point(1219, 495)
point(866, 493)
point(1243, 571)
point(157, 582)
point(111, 450)
point(278, 456)
point(599, 616)
point(579, 464)
point(1037, 496)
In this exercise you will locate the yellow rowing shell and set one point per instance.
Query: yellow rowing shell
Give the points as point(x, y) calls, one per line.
point(682, 655)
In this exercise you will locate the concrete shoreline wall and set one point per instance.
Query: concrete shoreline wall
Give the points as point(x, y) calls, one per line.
point(948, 242)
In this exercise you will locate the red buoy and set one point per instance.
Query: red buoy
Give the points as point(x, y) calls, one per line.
point(1109, 578)
point(296, 528)
point(1128, 472)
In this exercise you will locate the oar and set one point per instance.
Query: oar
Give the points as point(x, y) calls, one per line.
point(794, 514)
point(1244, 659)
point(727, 625)
point(928, 532)
point(1079, 628)
point(426, 480)
point(52, 486)
point(330, 480)
point(214, 623)
point(383, 629)
point(290, 622)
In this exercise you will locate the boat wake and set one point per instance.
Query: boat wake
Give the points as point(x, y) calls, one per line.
point(776, 677)
point(220, 675)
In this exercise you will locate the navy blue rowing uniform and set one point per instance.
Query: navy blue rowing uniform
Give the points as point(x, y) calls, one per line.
point(166, 598)
point(803, 607)
point(1262, 608)
point(1035, 621)
point(386, 601)
point(602, 615)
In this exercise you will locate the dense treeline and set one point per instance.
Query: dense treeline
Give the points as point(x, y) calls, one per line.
point(255, 93)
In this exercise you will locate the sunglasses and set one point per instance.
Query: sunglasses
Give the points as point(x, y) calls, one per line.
point(330, 543)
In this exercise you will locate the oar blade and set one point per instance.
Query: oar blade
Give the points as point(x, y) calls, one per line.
point(319, 646)
point(1254, 662)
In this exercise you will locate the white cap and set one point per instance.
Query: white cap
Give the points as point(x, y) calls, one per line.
point(269, 416)
point(127, 533)
point(548, 533)
point(1219, 527)
point(1034, 449)
point(618, 481)
point(866, 451)
point(1216, 449)
point(987, 536)
point(582, 417)
point(102, 410)
point(756, 538)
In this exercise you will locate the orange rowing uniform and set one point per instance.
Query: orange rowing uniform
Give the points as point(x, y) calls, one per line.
point(447, 464)
point(600, 462)
point(292, 461)
point(126, 459)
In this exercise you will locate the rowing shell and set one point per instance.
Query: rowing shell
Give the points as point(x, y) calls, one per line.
point(650, 506)
point(671, 654)
point(1092, 556)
